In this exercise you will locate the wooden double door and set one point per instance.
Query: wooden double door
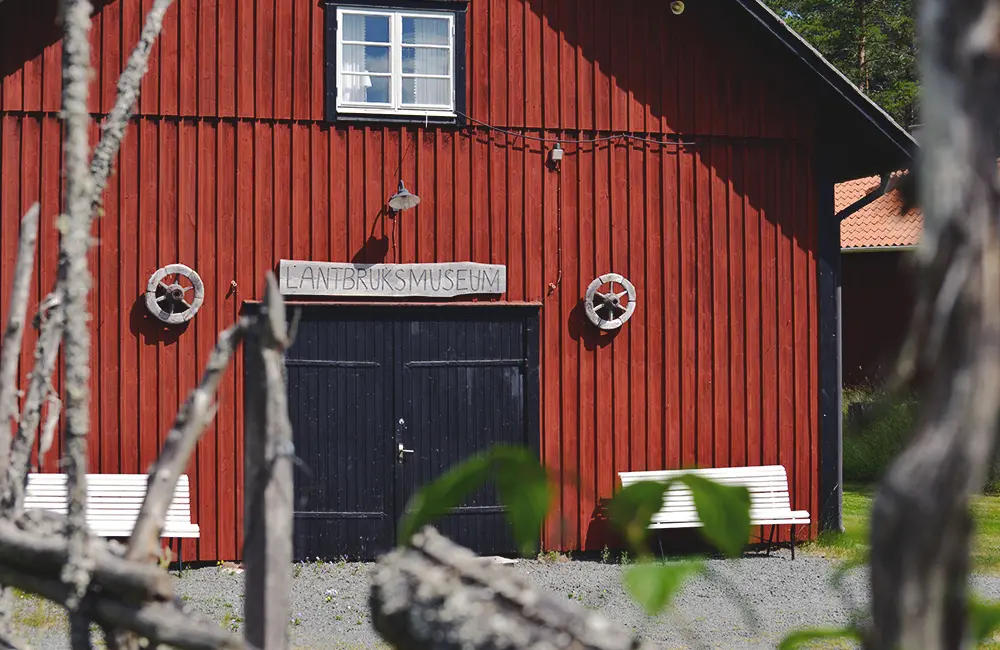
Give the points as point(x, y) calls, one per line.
point(384, 399)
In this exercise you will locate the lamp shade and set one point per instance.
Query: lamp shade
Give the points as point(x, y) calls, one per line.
point(403, 199)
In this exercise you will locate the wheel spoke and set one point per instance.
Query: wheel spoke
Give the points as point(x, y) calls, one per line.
point(164, 286)
point(189, 288)
point(621, 295)
point(186, 303)
point(161, 298)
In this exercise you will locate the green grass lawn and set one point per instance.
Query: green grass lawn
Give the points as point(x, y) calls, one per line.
point(857, 506)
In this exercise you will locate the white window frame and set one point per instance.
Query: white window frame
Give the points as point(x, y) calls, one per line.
point(395, 105)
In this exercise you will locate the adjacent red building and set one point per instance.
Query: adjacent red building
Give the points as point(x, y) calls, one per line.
point(699, 153)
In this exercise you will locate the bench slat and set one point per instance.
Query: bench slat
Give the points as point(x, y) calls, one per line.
point(113, 502)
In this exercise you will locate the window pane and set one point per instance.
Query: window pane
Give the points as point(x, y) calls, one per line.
point(427, 91)
point(425, 31)
point(364, 89)
point(365, 58)
point(374, 29)
point(423, 60)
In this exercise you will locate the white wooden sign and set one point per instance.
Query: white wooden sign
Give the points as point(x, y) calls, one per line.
point(299, 278)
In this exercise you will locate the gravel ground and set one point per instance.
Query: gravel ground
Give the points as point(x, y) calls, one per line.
point(329, 602)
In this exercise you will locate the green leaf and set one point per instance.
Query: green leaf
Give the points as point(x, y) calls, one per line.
point(524, 490)
point(984, 618)
point(801, 638)
point(654, 585)
point(632, 509)
point(724, 511)
point(440, 496)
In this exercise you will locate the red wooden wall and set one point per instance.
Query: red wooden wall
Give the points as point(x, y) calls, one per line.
point(229, 166)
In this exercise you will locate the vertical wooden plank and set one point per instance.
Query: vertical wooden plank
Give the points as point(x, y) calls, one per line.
point(620, 361)
point(737, 304)
point(656, 74)
point(169, 44)
point(131, 287)
point(391, 161)
point(673, 314)
point(497, 198)
point(550, 371)
point(317, 70)
point(569, 360)
point(246, 60)
point(567, 64)
point(372, 194)
point(11, 45)
point(533, 92)
point(149, 204)
point(444, 148)
point(425, 179)
point(515, 63)
point(498, 61)
point(356, 156)
point(480, 222)
point(302, 50)
point(30, 165)
point(283, 190)
point(94, 90)
point(638, 59)
point(812, 201)
point(618, 61)
point(110, 54)
point(515, 220)
point(188, 57)
point(32, 66)
point(264, 62)
point(479, 60)
point(345, 186)
point(227, 58)
point(720, 304)
point(585, 64)
point(769, 308)
point(149, 89)
point(51, 65)
point(551, 79)
point(283, 44)
point(207, 328)
point(243, 241)
point(300, 217)
point(603, 82)
point(688, 310)
point(635, 263)
point(705, 305)
point(786, 386)
point(604, 369)
point(207, 65)
point(168, 225)
point(752, 303)
point(48, 236)
point(228, 544)
point(263, 202)
point(590, 467)
point(801, 433)
point(653, 321)
point(321, 183)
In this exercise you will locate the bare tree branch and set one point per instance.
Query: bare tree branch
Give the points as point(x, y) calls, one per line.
point(437, 594)
point(920, 525)
point(11, 351)
point(75, 279)
point(39, 384)
point(192, 418)
point(268, 494)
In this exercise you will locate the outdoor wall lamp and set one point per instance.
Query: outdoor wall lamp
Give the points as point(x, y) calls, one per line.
point(403, 199)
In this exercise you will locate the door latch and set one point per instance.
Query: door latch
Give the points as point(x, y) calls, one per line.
point(403, 450)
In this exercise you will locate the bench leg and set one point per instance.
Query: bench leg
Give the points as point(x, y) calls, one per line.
point(770, 541)
point(180, 558)
point(793, 541)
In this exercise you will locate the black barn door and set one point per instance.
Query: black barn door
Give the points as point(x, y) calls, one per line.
point(339, 379)
point(385, 399)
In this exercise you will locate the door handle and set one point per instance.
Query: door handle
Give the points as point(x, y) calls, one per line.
point(403, 450)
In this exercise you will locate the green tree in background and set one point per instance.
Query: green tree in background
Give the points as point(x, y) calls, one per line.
point(873, 42)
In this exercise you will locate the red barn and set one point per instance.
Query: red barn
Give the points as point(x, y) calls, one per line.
point(696, 155)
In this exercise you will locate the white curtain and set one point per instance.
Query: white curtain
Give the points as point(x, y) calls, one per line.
point(354, 60)
point(426, 61)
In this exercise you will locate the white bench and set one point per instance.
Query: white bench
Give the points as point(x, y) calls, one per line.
point(113, 503)
point(770, 503)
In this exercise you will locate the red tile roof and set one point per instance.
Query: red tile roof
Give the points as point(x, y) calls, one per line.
point(878, 224)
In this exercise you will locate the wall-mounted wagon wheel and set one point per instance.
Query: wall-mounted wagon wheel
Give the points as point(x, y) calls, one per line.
point(610, 301)
point(174, 294)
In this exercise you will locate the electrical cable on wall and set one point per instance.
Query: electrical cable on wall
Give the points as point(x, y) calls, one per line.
point(604, 138)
